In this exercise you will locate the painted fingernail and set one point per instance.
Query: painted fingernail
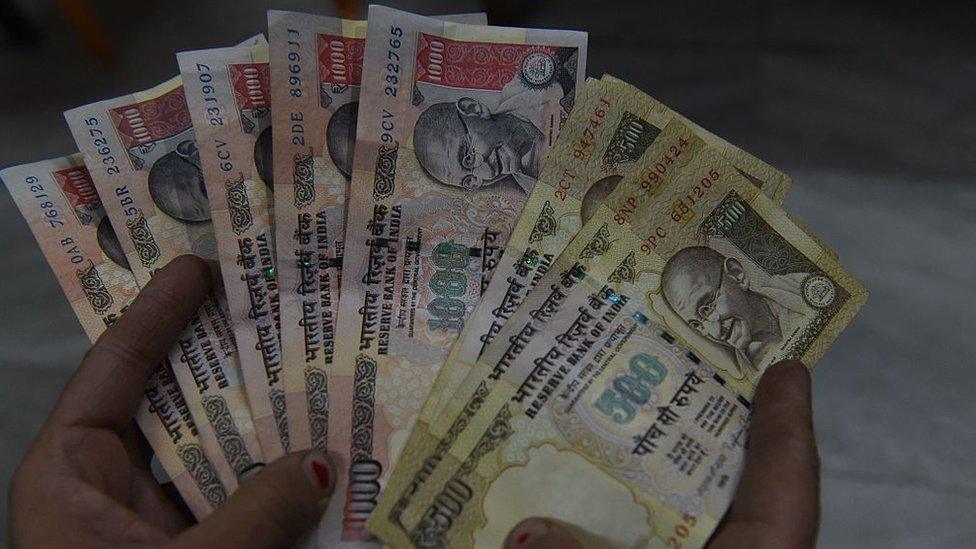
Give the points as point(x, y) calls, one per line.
point(320, 470)
point(528, 531)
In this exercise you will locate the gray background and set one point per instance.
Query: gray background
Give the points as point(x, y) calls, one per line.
point(872, 111)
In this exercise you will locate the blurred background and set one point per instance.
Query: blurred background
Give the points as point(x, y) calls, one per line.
point(871, 109)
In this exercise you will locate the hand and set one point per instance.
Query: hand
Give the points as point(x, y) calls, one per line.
point(85, 481)
point(777, 501)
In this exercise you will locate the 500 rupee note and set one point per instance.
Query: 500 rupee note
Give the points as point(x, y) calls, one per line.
point(229, 99)
point(58, 200)
point(653, 245)
point(611, 127)
point(454, 123)
point(142, 155)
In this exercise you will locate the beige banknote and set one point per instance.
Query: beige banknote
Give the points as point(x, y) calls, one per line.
point(453, 125)
point(653, 244)
point(610, 129)
point(228, 94)
point(142, 155)
point(316, 67)
point(62, 208)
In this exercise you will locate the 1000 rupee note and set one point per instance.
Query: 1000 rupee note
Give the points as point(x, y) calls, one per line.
point(142, 155)
point(687, 203)
point(453, 125)
point(316, 67)
point(229, 99)
point(58, 200)
point(610, 129)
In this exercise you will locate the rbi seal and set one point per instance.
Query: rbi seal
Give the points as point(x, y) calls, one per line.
point(819, 291)
point(538, 69)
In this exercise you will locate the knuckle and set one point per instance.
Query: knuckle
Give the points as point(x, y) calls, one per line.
point(280, 504)
point(128, 356)
point(163, 300)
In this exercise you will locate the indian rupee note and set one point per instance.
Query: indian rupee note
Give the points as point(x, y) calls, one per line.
point(660, 469)
point(316, 68)
point(454, 124)
point(611, 127)
point(58, 200)
point(142, 155)
point(654, 242)
point(229, 98)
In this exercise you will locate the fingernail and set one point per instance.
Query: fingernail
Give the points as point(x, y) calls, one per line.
point(250, 472)
point(319, 470)
point(529, 531)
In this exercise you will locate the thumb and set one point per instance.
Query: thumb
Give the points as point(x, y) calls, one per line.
point(540, 533)
point(271, 509)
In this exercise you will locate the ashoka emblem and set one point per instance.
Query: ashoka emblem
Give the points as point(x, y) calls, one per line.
point(819, 291)
point(538, 69)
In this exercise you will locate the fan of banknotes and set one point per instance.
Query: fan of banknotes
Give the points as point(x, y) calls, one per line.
point(492, 287)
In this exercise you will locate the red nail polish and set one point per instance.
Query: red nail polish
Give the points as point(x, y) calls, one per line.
point(523, 537)
point(322, 474)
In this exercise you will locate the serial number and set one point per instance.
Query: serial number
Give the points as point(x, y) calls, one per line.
point(214, 113)
point(393, 62)
point(683, 209)
point(295, 86)
point(101, 146)
point(586, 142)
point(48, 209)
point(564, 184)
point(650, 182)
point(294, 66)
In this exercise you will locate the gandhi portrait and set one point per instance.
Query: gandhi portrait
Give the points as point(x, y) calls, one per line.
point(264, 157)
point(464, 144)
point(597, 194)
point(714, 296)
point(176, 184)
point(109, 243)
point(340, 137)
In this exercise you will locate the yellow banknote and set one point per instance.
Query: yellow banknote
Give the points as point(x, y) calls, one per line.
point(454, 123)
point(229, 98)
point(58, 199)
point(774, 271)
point(142, 155)
point(609, 130)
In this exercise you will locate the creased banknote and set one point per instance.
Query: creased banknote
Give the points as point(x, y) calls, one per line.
point(62, 208)
point(612, 126)
point(316, 68)
point(700, 254)
point(229, 98)
point(453, 126)
point(142, 155)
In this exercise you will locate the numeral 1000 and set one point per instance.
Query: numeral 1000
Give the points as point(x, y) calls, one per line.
point(449, 283)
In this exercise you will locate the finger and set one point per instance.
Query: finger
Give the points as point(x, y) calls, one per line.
point(108, 385)
point(271, 509)
point(779, 488)
point(540, 533)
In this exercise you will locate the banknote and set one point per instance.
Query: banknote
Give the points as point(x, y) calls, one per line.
point(453, 125)
point(316, 68)
point(142, 154)
point(229, 98)
point(609, 130)
point(774, 294)
point(58, 200)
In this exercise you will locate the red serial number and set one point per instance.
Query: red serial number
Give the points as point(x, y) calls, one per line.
point(651, 181)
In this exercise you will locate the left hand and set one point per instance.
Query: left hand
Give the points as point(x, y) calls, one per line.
point(85, 480)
